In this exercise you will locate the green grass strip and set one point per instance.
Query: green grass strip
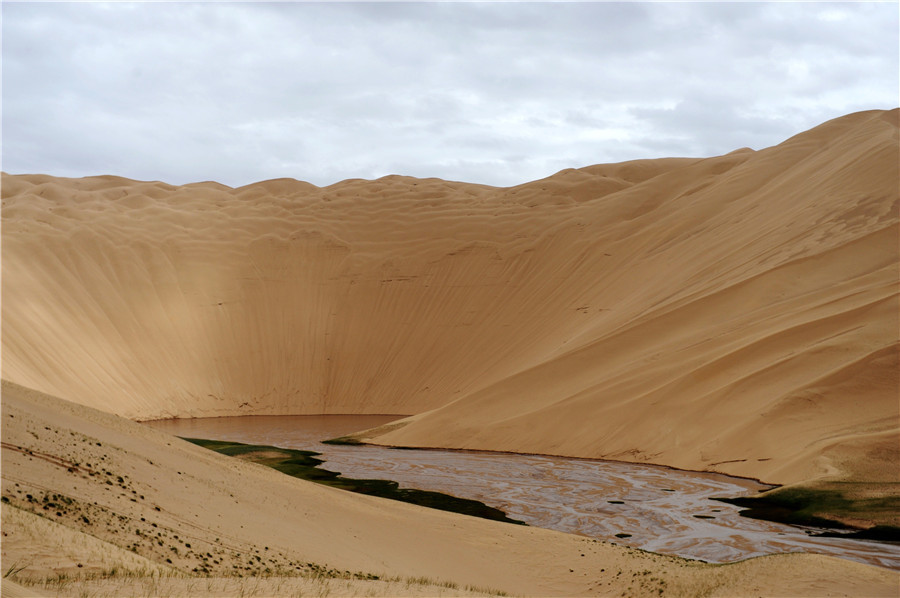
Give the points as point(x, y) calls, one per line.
point(804, 506)
point(305, 465)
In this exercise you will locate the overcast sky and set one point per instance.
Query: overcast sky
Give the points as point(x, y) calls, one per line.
point(489, 93)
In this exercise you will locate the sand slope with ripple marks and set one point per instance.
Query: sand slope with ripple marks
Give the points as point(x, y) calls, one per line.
point(737, 313)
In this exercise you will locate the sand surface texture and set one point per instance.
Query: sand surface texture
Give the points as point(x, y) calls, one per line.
point(156, 509)
point(737, 313)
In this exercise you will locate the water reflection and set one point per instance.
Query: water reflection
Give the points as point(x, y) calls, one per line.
point(644, 506)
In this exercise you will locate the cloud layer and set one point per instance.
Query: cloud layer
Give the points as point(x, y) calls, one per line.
point(491, 93)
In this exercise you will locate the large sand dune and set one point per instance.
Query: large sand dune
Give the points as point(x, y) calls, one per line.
point(737, 313)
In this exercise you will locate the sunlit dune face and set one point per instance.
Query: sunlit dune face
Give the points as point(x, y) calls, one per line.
point(727, 313)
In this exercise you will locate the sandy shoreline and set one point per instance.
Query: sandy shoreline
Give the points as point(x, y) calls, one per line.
point(176, 494)
point(657, 508)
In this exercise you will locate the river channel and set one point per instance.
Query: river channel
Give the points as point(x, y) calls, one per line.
point(642, 506)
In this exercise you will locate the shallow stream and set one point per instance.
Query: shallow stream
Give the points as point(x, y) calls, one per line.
point(643, 506)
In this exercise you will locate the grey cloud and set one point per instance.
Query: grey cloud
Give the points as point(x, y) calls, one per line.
point(496, 93)
point(704, 126)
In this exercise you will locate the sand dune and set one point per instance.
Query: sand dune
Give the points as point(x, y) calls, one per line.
point(737, 313)
point(754, 331)
point(86, 492)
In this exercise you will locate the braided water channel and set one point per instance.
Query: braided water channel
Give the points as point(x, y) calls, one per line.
point(644, 506)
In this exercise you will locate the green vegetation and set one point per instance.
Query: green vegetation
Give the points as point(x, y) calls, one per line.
point(822, 507)
point(350, 440)
point(305, 465)
point(882, 533)
point(13, 569)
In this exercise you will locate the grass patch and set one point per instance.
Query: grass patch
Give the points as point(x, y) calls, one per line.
point(13, 569)
point(882, 533)
point(305, 465)
point(822, 507)
point(343, 440)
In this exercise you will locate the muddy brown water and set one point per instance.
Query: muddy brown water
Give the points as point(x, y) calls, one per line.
point(661, 509)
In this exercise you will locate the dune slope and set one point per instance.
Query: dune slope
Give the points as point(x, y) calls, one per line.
point(737, 313)
point(85, 492)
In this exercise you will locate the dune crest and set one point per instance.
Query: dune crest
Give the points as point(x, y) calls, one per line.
point(737, 313)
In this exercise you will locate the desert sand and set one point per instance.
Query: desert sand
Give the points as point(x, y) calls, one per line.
point(736, 314)
point(156, 508)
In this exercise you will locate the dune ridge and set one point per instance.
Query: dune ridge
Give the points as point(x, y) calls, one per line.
point(736, 313)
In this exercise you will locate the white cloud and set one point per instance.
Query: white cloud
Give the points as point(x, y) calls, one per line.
point(494, 93)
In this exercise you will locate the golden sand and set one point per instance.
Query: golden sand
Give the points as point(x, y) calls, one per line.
point(735, 314)
point(157, 508)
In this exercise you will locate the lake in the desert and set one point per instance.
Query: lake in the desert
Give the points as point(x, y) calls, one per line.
point(642, 506)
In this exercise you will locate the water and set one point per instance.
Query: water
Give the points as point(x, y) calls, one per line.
point(663, 510)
